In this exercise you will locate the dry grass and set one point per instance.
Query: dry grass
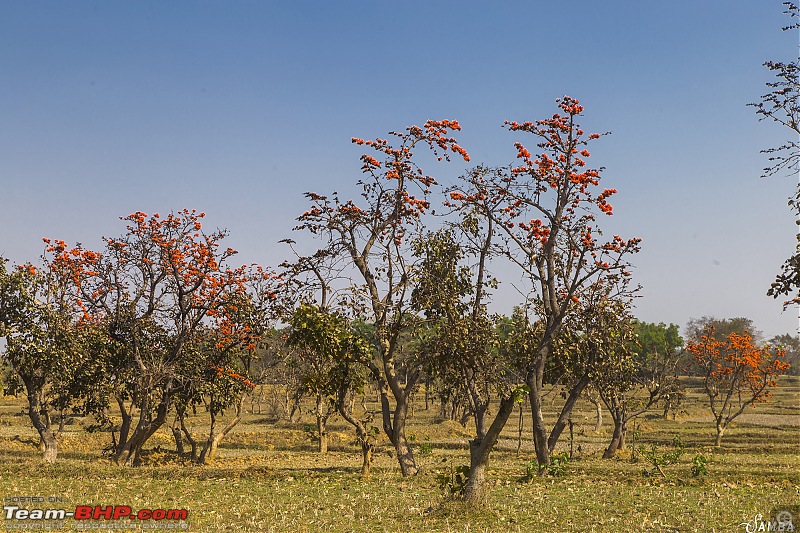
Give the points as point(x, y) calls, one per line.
point(269, 478)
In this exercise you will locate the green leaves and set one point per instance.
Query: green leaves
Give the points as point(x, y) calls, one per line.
point(327, 350)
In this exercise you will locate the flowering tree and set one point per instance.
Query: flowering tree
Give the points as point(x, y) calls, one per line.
point(782, 105)
point(152, 288)
point(219, 374)
point(39, 334)
point(546, 207)
point(736, 373)
point(375, 237)
point(46, 331)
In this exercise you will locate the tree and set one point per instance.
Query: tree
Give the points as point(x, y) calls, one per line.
point(331, 354)
point(317, 336)
point(41, 334)
point(152, 289)
point(736, 373)
point(641, 369)
point(723, 327)
point(222, 376)
point(658, 349)
point(461, 347)
point(46, 332)
point(547, 208)
point(375, 238)
point(781, 105)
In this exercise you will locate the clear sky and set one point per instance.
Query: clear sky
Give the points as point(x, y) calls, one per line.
point(236, 108)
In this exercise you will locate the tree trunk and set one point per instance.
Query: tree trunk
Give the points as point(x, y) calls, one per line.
point(48, 444)
point(295, 410)
point(62, 421)
point(395, 425)
point(322, 424)
point(322, 432)
point(617, 438)
point(479, 452)
point(534, 382)
point(367, 444)
point(176, 434)
point(408, 467)
point(366, 454)
point(189, 438)
point(215, 435)
point(566, 411)
point(598, 415)
point(720, 432)
point(125, 426)
point(129, 452)
point(41, 421)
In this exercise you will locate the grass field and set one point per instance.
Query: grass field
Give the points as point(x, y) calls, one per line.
point(269, 478)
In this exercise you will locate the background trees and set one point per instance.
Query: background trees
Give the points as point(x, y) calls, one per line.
point(658, 348)
point(791, 344)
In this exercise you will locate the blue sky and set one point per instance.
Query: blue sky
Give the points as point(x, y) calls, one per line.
point(237, 108)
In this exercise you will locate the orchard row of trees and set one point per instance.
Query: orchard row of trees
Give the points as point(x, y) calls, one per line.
point(160, 322)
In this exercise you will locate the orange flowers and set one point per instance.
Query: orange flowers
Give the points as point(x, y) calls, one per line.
point(232, 374)
point(737, 364)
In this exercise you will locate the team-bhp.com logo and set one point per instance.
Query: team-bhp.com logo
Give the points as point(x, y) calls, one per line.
point(97, 512)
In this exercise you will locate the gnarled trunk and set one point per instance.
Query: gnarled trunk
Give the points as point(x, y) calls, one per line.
point(129, 452)
point(40, 419)
point(480, 450)
point(720, 432)
point(618, 437)
point(394, 424)
point(215, 435)
point(408, 467)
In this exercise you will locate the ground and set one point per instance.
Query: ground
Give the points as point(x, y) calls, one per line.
point(269, 478)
